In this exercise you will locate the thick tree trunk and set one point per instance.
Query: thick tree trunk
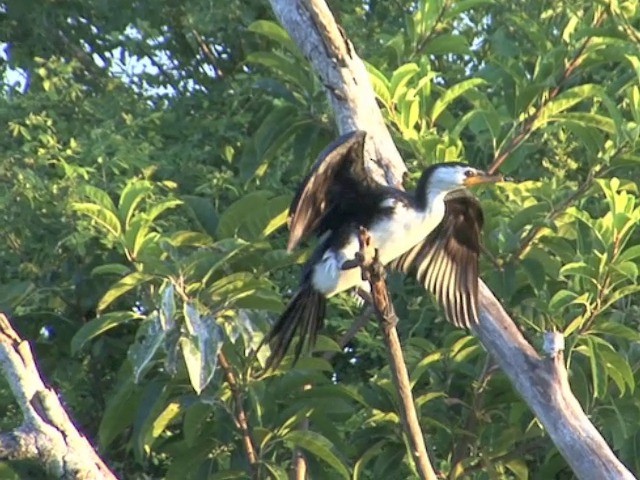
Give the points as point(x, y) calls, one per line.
point(542, 382)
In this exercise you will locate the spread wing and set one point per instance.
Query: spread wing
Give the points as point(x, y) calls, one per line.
point(334, 192)
point(446, 262)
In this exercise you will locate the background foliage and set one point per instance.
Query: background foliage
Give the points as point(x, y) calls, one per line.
point(149, 153)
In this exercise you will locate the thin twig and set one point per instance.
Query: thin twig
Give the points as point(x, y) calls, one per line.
point(241, 415)
point(555, 213)
point(300, 466)
point(208, 53)
point(373, 271)
point(423, 43)
point(460, 451)
point(527, 126)
point(355, 327)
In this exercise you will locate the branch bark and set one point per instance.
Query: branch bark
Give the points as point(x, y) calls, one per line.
point(542, 381)
point(373, 272)
point(344, 75)
point(47, 434)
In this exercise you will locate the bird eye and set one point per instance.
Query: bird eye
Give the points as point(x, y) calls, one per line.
point(469, 173)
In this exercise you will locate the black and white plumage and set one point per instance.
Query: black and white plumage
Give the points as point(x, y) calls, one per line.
point(432, 233)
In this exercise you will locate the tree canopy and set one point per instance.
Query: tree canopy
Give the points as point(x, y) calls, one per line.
point(151, 150)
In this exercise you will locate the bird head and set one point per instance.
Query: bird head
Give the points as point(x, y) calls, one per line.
point(443, 178)
point(446, 177)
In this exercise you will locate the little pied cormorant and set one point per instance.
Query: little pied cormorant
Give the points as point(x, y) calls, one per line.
point(432, 234)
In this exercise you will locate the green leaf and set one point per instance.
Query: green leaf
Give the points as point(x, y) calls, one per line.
point(448, 44)
point(149, 338)
point(119, 412)
point(190, 239)
point(106, 219)
point(194, 422)
point(370, 453)
point(591, 351)
point(594, 120)
point(159, 208)
point(200, 347)
point(462, 6)
point(620, 294)
point(441, 104)
point(14, 293)
point(132, 194)
point(380, 84)
point(262, 299)
point(98, 326)
point(122, 286)
point(579, 269)
point(167, 306)
point(202, 210)
point(400, 78)
point(111, 269)
point(427, 397)
point(99, 197)
point(275, 32)
point(234, 216)
point(154, 397)
point(618, 368)
point(266, 218)
point(320, 447)
point(425, 365)
point(535, 272)
point(561, 300)
point(277, 471)
point(629, 254)
point(160, 423)
point(284, 66)
point(519, 468)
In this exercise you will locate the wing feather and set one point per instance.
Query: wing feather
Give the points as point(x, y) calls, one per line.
point(336, 190)
point(446, 261)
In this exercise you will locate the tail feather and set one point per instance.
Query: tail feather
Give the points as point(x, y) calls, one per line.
point(304, 313)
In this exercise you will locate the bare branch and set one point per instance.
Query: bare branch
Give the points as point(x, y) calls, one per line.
point(373, 272)
point(47, 433)
point(542, 382)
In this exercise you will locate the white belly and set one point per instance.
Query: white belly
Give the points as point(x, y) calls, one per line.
point(392, 237)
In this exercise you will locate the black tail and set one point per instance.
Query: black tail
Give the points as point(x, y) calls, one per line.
point(305, 313)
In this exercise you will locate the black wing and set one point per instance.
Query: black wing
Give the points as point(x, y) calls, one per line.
point(446, 262)
point(336, 191)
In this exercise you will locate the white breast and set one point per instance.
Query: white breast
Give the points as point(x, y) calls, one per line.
point(393, 236)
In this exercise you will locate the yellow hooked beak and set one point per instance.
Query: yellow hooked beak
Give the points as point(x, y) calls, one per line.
point(478, 177)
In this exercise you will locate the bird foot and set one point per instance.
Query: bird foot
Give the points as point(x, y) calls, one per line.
point(357, 261)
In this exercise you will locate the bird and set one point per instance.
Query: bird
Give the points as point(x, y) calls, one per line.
point(432, 234)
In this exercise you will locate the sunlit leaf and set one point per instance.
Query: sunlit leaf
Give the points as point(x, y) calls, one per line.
point(149, 339)
point(132, 194)
point(106, 219)
point(452, 94)
point(122, 286)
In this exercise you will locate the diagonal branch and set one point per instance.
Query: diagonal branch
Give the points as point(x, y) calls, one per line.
point(47, 434)
point(542, 381)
